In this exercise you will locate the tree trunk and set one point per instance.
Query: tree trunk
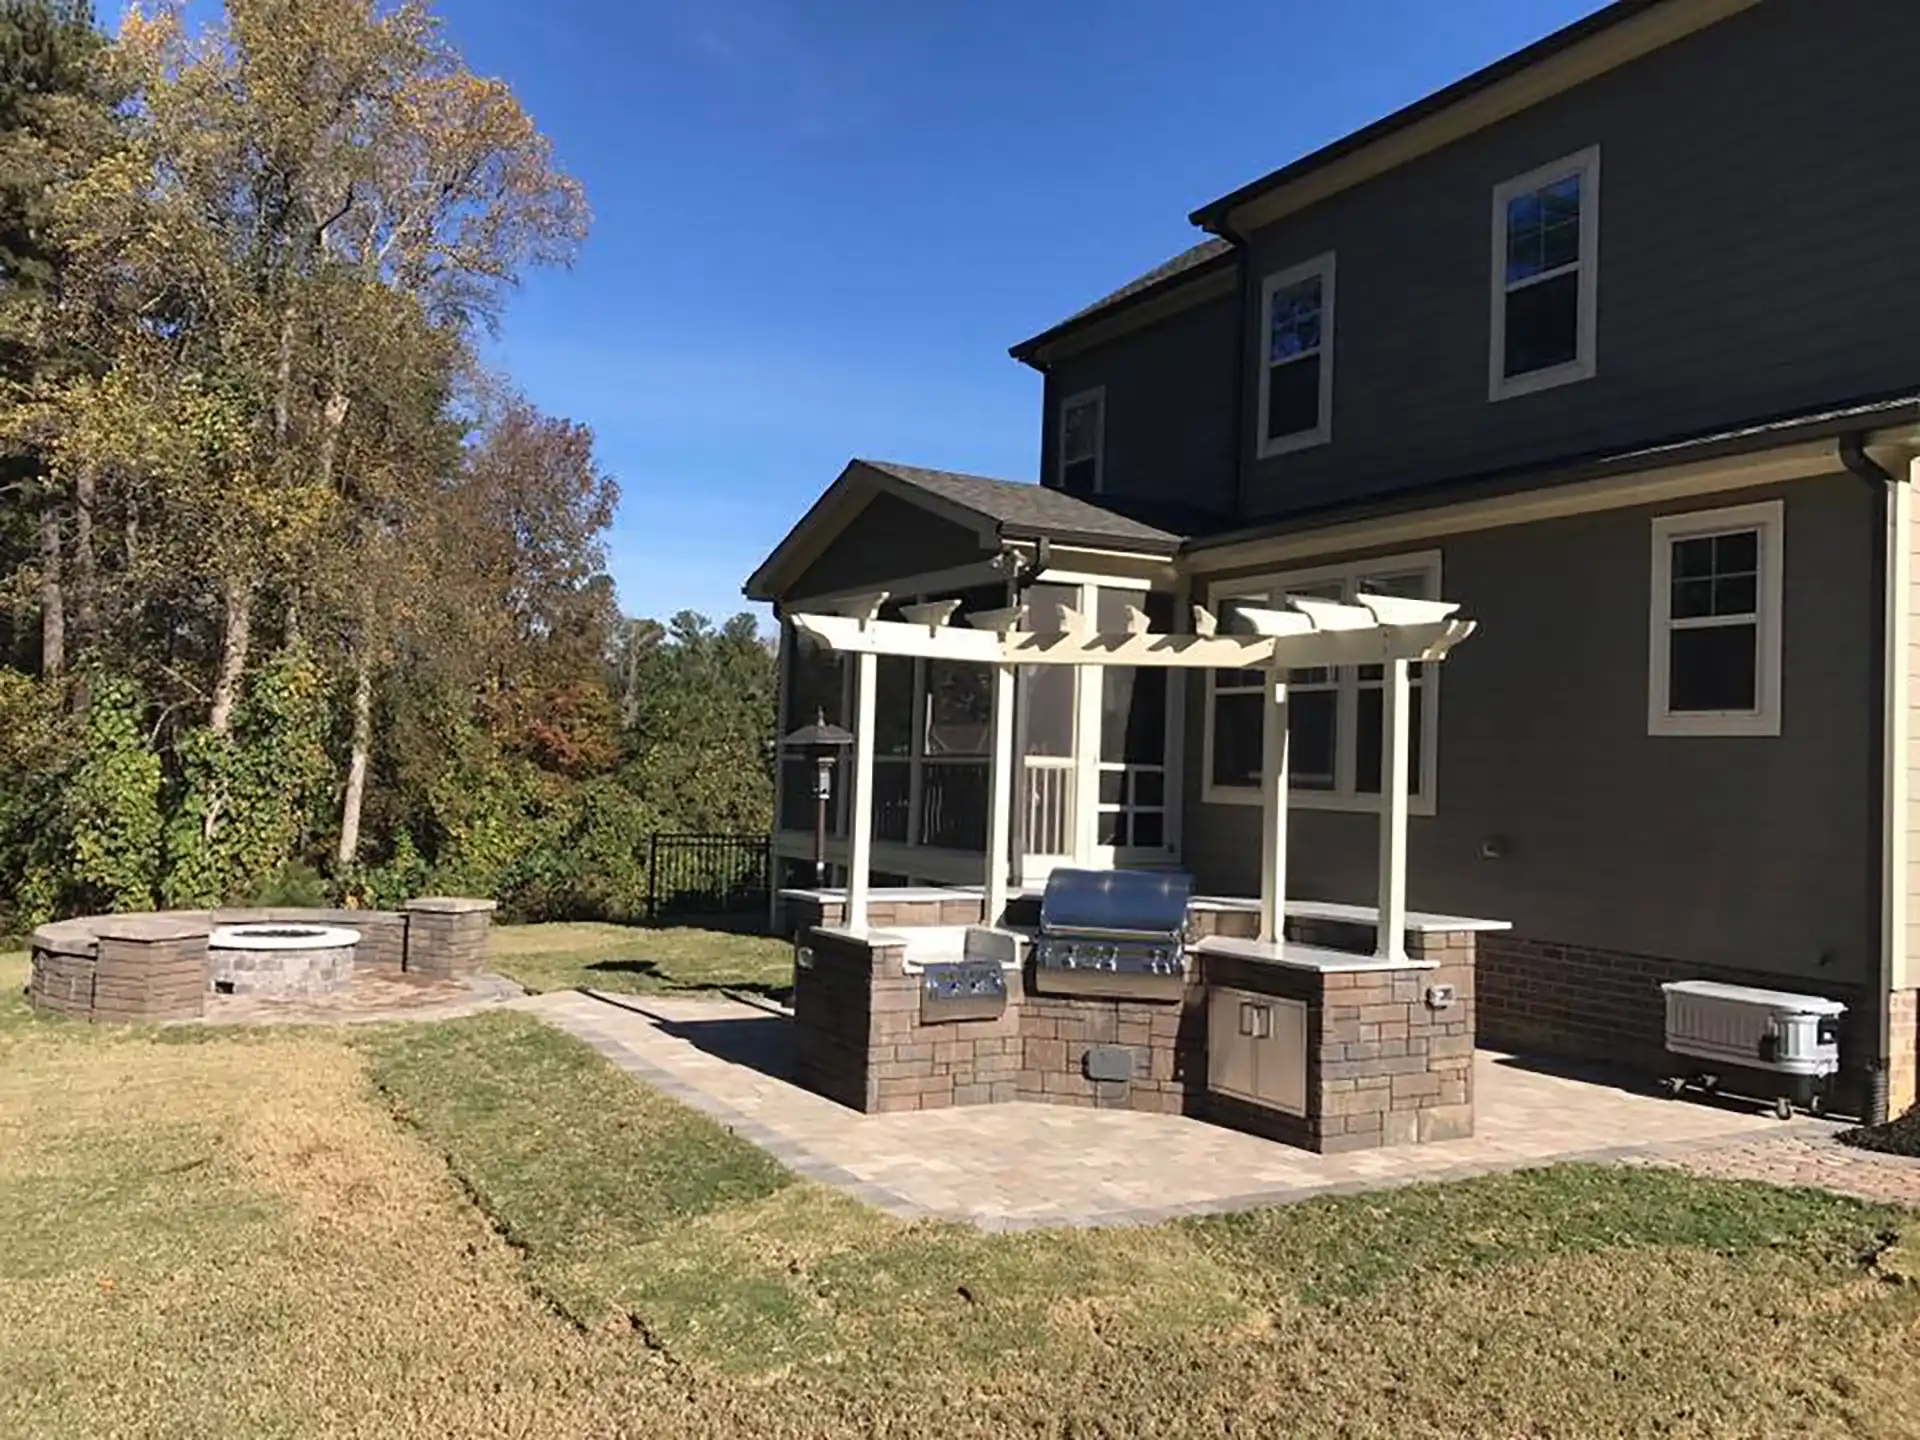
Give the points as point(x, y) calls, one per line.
point(53, 604)
point(235, 640)
point(336, 418)
point(283, 385)
point(357, 762)
point(86, 611)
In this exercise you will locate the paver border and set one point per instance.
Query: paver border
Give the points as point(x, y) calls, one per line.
point(797, 1157)
point(483, 991)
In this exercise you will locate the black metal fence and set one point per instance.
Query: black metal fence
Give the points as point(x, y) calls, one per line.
point(709, 878)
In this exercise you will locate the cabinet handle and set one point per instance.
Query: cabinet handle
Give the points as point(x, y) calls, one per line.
point(1246, 1018)
point(1262, 1022)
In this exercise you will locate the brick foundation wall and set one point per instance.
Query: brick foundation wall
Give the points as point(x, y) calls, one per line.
point(1903, 1075)
point(1545, 997)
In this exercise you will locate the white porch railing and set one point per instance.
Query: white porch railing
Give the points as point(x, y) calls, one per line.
point(1049, 805)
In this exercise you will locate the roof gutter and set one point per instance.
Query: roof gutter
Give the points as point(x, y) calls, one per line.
point(1892, 567)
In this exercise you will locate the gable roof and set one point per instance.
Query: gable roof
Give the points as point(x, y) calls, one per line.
point(1000, 510)
point(1609, 37)
point(1205, 258)
point(1612, 35)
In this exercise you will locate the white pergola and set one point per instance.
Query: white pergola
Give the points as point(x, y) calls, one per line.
point(1385, 630)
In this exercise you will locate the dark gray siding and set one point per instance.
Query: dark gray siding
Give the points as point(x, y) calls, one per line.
point(889, 539)
point(1169, 411)
point(1756, 189)
point(1750, 853)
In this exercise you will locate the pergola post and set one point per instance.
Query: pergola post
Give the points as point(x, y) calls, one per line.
point(860, 793)
point(1391, 941)
point(1273, 809)
point(1000, 795)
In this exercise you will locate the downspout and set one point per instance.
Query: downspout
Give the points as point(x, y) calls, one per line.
point(1887, 570)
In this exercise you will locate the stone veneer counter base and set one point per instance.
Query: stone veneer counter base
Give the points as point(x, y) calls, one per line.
point(1384, 1067)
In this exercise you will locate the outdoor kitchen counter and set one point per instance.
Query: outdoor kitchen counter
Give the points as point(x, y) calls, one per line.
point(1333, 1048)
point(1291, 955)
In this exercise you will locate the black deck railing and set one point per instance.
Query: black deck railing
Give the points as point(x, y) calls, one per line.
point(708, 876)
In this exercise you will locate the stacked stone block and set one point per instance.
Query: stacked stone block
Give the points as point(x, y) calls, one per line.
point(151, 967)
point(1168, 1040)
point(1384, 1066)
point(383, 933)
point(446, 935)
point(859, 1039)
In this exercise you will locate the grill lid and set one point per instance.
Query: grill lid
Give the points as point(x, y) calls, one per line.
point(1116, 902)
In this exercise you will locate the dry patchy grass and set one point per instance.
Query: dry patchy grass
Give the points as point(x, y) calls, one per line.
point(637, 959)
point(276, 1234)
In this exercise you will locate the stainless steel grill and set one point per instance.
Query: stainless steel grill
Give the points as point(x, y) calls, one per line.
point(1118, 933)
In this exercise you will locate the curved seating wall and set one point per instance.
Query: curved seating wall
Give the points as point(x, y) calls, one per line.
point(153, 966)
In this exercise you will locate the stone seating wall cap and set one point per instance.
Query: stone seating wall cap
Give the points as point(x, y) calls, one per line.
point(175, 925)
point(68, 937)
point(451, 904)
point(299, 914)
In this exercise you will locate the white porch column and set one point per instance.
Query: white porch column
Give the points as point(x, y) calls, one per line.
point(1273, 808)
point(860, 792)
point(1000, 795)
point(1089, 683)
point(1391, 941)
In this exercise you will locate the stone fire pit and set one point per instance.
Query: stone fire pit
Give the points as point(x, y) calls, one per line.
point(280, 959)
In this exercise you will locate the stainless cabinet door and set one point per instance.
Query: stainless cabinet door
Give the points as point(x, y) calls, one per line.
point(1280, 1067)
point(1232, 1024)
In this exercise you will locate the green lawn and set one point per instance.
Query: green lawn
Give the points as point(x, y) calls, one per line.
point(480, 1228)
point(635, 958)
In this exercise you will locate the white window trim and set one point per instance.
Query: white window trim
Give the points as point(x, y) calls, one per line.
point(1343, 796)
point(1322, 434)
point(1583, 366)
point(1769, 518)
point(1097, 396)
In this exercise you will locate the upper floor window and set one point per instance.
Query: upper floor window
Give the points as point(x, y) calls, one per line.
point(1714, 652)
point(1083, 423)
point(1296, 371)
point(1335, 714)
point(1546, 276)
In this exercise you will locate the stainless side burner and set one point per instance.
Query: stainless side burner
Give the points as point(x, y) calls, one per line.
point(962, 990)
point(1114, 933)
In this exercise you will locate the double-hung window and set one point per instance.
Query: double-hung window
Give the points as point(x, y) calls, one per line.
point(1546, 276)
point(1335, 714)
point(1083, 423)
point(1296, 371)
point(1714, 646)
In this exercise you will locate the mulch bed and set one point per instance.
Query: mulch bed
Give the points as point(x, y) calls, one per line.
point(1895, 1137)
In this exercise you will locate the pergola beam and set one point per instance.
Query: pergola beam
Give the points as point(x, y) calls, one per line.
point(1303, 648)
point(1301, 632)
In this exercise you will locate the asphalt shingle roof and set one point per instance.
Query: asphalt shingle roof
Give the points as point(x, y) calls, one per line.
point(1187, 260)
point(1025, 510)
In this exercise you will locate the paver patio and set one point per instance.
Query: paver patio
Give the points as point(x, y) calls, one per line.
point(1018, 1166)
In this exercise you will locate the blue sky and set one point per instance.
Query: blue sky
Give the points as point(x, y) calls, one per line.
point(819, 227)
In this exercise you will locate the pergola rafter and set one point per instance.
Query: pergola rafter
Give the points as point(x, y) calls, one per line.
point(1299, 633)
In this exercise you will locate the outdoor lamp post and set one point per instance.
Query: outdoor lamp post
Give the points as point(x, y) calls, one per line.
point(823, 742)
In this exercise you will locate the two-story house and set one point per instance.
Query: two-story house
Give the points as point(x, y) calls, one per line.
point(1617, 344)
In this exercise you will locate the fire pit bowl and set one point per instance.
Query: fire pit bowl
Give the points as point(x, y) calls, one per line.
point(280, 959)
